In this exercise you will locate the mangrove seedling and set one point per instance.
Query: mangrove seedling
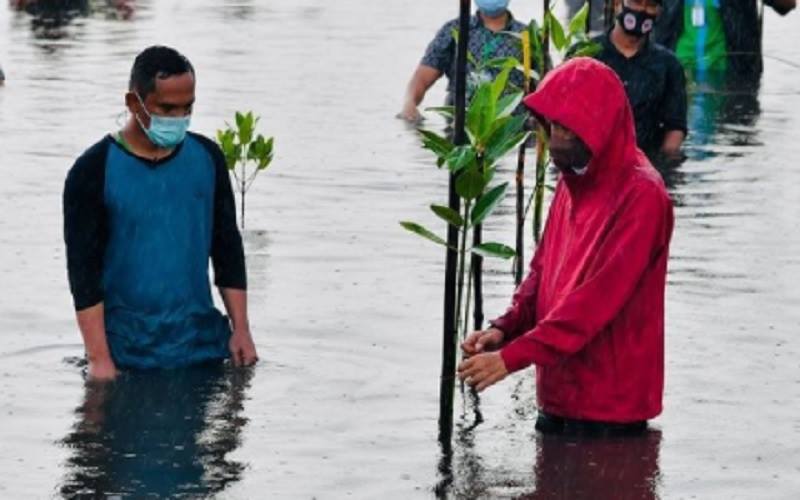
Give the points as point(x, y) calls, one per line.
point(242, 149)
point(493, 130)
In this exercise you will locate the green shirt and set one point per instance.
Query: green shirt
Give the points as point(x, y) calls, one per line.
point(702, 44)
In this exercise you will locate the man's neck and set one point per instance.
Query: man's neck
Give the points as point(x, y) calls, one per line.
point(627, 45)
point(495, 24)
point(139, 143)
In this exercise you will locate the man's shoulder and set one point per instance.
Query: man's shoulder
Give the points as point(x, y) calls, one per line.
point(94, 157)
point(605, 46)
point(208, 144)
point(211, 149)
point(663, 55)
point(448, 27)
point(202, 139)
point(517, 26)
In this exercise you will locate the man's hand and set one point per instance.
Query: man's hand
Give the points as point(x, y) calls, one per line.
point(410, 113)
point(243, 350)
point(483, 370)
point(477, 342)
point(102, 370)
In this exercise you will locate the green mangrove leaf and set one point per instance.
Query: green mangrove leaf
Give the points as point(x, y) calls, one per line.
point(448, 215)
point(487, 203)
point(446, 111)
point(440, 146)
point(470, 183)
point(492, 249)
point(488, 175)
point(421, 231)
point(461, 157)
point(481, 111)
point(504, 147)
point(501, 62)
point(499, 84)
point(507, 129)
point(508, 104)
point(537, 47)
point(585, 48)
point(535, 77)
point(246, 124)
point(577, 25)
point(556, 31)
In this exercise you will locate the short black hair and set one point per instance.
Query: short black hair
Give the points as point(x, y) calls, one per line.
point(156, 62)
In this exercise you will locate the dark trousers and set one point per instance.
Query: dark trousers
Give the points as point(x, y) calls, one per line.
point(553, 424)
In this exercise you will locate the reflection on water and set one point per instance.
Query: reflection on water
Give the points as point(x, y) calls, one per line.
point(622, 468)
point(565, 468)
point(158, 433)
point(49, 18)
point(723, 110)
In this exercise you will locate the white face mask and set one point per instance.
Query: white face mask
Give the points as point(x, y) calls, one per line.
point(580, 171)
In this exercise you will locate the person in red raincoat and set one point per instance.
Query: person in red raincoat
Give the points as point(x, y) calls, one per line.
point(590, 313)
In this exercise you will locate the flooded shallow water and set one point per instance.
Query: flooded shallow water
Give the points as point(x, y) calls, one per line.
point(346, 306)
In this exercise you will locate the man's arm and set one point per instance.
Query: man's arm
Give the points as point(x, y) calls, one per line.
point(674, 110)
point(673, 140)
point(242, 347)
point(85, 237)
point(227, 257)
point(91, 322)
point(437, 59)
point(422, 80)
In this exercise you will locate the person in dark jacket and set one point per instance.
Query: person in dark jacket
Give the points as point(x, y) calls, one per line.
point(652, 76)
point(590, 314)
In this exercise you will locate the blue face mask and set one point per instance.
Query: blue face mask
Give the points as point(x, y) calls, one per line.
point(492, 8)
point(165, 131)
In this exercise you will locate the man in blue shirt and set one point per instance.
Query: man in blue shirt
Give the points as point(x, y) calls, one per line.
point(144, 209)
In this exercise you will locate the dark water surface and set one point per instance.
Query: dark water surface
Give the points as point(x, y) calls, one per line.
point(346, 307)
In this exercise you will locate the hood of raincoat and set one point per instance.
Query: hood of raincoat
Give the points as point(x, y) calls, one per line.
point(588, 98)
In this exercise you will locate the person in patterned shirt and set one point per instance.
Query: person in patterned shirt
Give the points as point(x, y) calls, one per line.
point(487, 40)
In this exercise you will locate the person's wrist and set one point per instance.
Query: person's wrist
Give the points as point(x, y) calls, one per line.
point(499, 331)
point(99, 357)
point(241, 330)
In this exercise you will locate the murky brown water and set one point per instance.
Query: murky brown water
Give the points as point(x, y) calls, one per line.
point(346, 306)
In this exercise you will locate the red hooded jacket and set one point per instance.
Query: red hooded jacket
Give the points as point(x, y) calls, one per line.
point(590, 313)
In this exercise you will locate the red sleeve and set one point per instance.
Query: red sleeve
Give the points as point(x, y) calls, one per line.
point(521, 314)
point(636, 239)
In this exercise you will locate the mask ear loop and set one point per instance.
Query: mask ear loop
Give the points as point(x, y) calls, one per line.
point(122, 118)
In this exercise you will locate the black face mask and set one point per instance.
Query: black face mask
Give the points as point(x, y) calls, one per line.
point(570, 156)
point(636, 23)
